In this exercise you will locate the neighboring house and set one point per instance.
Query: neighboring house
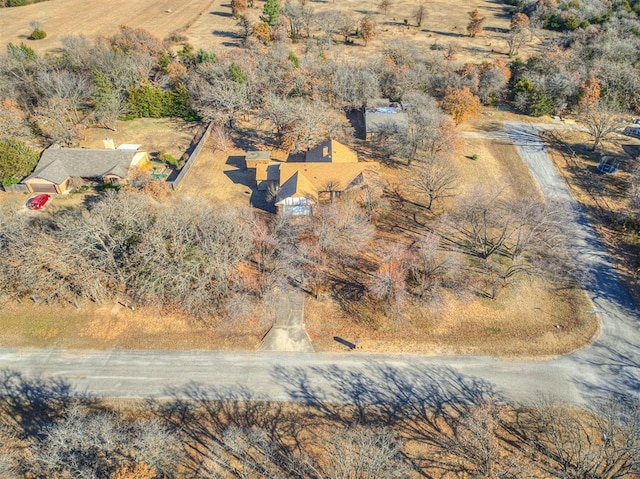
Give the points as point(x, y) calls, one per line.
point(328, 170)
point(58, 166)
point(381, 116)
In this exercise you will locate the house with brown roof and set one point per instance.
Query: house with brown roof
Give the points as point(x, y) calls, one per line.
point(327, 171)
point(58, 166)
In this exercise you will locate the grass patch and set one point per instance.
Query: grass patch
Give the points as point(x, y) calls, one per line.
point(116, 327)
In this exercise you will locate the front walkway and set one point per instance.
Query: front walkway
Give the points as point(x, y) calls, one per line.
point(288, 333)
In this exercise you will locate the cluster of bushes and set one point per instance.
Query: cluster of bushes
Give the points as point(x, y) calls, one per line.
point(148, 101)
point(38, 34)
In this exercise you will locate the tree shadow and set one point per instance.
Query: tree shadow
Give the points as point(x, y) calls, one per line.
point(225, 34)
point(30, 404)
point(221, 424)
point(444, 34)
point(619, 372)
point(424, 404)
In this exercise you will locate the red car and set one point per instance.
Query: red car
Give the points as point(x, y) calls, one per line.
point(38, 202)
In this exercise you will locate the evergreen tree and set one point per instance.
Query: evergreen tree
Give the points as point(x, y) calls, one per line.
point(271, 12)
point(17, 159)
point(107, 106)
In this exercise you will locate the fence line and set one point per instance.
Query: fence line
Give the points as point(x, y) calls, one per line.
point(175, 184)
point(19, 188)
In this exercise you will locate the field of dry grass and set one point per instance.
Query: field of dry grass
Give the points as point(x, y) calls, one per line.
point(61, 18)
point(527, 320)
point(444, 24)
point(208, 24)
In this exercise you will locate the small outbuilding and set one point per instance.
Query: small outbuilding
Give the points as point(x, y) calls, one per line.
point(381, 116)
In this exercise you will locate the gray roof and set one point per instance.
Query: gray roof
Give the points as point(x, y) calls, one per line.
point(58, 164)
point(377, 117)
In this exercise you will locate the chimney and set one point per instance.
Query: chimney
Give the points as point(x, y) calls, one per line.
point(109, 144)
point(325, 151)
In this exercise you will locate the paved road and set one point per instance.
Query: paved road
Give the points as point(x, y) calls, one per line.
point(610, 366)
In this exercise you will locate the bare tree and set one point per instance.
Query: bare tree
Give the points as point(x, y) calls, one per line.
point(477, 447)
point(299, 16)
point(217, 96)
point(348, 87)
point(519, 33)
point(384, 6)
point(434, 179)
point(299, 125)
point(600, 118)
point(508, 238)
point(363, 453)
point(88, 445)
point(221, 137)
point(344, 228)
point(345, 26)
point(601, 443)
point(419, 14)
point(328, 21)
point(427, 134)
point(430, 267)
point(389, 283)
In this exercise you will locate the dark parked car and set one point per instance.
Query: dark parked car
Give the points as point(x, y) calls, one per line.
point(38, 202)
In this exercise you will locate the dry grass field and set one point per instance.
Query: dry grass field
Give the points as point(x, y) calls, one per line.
point(60, 18)
point(445, 23)
point(527, 320)
point(208, 24)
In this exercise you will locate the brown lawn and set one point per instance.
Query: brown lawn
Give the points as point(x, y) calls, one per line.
point(114, 326)
point(167, 135)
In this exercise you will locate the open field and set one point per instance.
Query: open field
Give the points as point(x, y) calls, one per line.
point(61, 18)
point(528, 320)
point(208, 24)
point(445, 24)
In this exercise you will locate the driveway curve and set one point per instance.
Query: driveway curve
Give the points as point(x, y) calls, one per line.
point(610, 366)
